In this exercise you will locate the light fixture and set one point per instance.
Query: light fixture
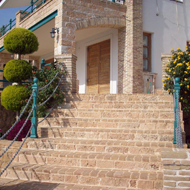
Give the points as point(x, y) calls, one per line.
point(53, 31)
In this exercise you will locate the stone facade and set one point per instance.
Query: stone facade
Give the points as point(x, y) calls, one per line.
point(176, 164)
point(76, 15)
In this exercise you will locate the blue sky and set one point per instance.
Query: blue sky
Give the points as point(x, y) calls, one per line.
point(7, 14)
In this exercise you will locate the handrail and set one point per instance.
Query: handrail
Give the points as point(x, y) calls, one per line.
point(43, 64)
point(6, 28)
point(34, 123)
point(19, 117)
point(32, 8)
point(16, 151)
point(17, 133)
point(177, 124)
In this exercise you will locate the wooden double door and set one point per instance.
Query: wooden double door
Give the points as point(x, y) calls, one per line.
point(98, 68)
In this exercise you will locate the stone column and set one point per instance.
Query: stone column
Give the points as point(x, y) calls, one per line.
point(18, 18)
point(130, 67)
point(69, 65)
point(165, 60)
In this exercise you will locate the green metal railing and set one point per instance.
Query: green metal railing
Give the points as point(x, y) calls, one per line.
point(34, 120)
point(33, 5)
point(115, 1)
point(43, 64)
point(177, 121)
point(3, 80)
point(6, 28)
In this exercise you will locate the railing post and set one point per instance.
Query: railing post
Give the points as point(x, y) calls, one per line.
point(3, 29)
point(149, 88)
point(34, 118)
point(177, 90)
point(31, 3)
point(42, 64)
point(10, 24)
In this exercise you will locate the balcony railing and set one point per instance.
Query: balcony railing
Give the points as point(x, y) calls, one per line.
point(30, 9)
point(33, 5)
point(118, 1)
point(6, 28)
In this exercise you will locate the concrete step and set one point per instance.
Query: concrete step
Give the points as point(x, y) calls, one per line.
point(106, 134)
point(86, 176)
point(97, 146)
point(113, 114)
point(91, 160)
point(147, 124)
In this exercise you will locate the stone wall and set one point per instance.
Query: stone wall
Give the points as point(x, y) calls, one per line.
point(176, 164)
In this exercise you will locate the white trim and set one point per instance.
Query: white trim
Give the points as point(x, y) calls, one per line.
point(81, 52)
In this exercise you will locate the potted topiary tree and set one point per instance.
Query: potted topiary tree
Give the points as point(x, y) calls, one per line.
point(18, 41)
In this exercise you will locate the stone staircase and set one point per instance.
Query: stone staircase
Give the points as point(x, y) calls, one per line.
point(100, 142)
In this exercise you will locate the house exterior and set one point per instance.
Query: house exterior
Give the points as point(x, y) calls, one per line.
point(107, 46)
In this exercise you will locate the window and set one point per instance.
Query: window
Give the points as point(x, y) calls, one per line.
point(146, 52)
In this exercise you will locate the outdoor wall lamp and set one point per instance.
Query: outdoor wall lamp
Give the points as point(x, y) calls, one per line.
point(53, 31)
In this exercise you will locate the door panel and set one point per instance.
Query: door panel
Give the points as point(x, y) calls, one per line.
point(98, 68)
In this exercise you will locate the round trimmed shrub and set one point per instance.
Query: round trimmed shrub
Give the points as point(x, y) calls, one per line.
point(21, 41)
point(17, 70)
point(13, 96)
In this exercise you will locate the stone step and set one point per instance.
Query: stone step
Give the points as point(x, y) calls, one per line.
point(106, 134)
point(91, 160)
point(117, 105)
point(113, 114)
point(97, 146)
point(107, 123)
point(120, 98)
point(86, 176)
point(10, 184)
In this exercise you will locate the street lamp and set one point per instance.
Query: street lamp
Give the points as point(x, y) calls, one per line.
point(53, 31)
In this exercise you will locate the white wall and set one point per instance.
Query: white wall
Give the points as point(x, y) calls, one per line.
point(170, 29)
point(81, 52)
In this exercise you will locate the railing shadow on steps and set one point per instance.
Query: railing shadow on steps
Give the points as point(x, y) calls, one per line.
point(34, 121)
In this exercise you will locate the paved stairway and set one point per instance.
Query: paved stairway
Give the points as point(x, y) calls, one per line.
point(100, 142)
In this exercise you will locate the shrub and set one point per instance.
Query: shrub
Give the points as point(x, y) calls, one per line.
point(179, 66)
point(17, 70)
point(21, 41)
point(44, 77)
point(16, 129)
point(12, 96)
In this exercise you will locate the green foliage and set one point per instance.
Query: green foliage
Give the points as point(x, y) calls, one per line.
point(179, 66)
point(21, 41)
point(12, 96)
point(44, 77)
point(17, 70)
